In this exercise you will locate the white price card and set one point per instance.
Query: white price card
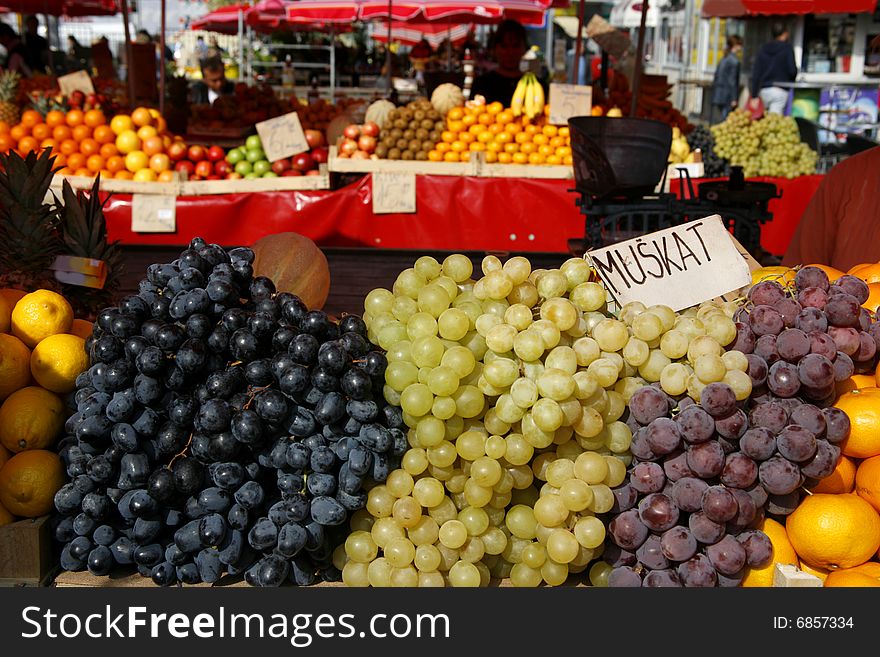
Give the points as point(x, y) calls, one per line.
point(282, 137)
point(76, 81)
point(394, 193)
point(568, 100)
point(679, 267)
point(153, 213)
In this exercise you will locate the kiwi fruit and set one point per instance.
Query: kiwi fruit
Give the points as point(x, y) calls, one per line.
point(406, 155)
point(422, 155)
point(414, 145)
point(382, 150)
point(401, 123)
point(422, 134)
point(394, 154)
point(402, 143)
point(408, 134)
point(397, 133)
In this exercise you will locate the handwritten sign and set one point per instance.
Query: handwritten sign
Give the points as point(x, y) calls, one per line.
point(282, 137)
point(153, 213)
point(76, 81)
point(394, 193)
point(678, 267)
point(568, 100)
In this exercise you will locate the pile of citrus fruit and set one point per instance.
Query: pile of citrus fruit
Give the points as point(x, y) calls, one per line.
point(128, 146)
point(42, 351)
point(505, 138)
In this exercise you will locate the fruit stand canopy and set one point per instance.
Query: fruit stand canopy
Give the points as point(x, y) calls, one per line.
point(63, 7)
point(528, 12)
point(737, 8)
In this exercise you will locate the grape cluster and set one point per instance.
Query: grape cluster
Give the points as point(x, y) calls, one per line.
point(222, 428)
point(714, 165)
point(770, 146)
point(685, 513)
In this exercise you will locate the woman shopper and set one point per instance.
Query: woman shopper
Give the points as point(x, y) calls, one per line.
point(725, 84)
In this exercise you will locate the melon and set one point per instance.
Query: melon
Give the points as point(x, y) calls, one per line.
point(378, 111)
point(445, 97)
point(296, 265)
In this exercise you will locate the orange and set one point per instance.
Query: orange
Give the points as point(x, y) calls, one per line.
point(868, 272)
point(141, 117)
point(842, 480)
point(455, 114)
point(160, 162)
point(484, 137)
point(528, 147)
point(834, 531)
point(467, 137)
point(82, 328)
point(147, 131)
point(546, 150)
point(550, 130)
point(68, 147)
point(554, 159)
point(28, 144)
point(49, 143)
point(455, 126)
point(89, 146)
point(504, 137)
point(494, 108)
point(464, 157)
point(540, 139)
point(5, 455)
point(485, 119)
point(65, 171)
point(95, 163)
point(108, 150)
point(18, 132)
point(833, 274)
point(458, 146)
point(81, 132)
point(6, 143)
point(477, 128)
point(564, 152)
point(505, 158)
point(161, 124)
point(855, 382)
point(123, 175)
point(30, 118)
point(136, 160)
point(783, 553)
point(105, 174)
point(564, 131)
point(476, 146)
point(450, 156)
point(491, 157)
point(567, 160)
point(4, 127)
point(166, 176)
point(513, 128)
point(821, 573)
point(536, 158)
point(82, 171)
point(103, 134)
point(41, 131)
point(866, 575)
point(435, 156)
point(61, 132)
point(531, 130)
point(504, 117)
point(94, 118)
point(153, 145)
point(868, 481)
point(443, 147)
point(29, 481)
point(128, 142)
point(520, 158)
point(873, 301)
point(448, 136)
point(31, 418)
point(121, 123)
point(863, 409)
point(76, 161)
point(496, 128)
point(54, 118)
point(522, 137)
point(494, 147)
point(74, 118)
point(468, 120)
point(511, 148)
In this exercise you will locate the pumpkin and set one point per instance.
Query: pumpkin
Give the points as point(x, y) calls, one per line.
point(378, 111)
point(296, 265)
point(445, 97)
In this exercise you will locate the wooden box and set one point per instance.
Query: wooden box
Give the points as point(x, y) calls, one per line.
point(26, 553)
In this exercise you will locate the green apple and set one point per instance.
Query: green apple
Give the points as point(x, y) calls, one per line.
point(251, 176)
point(270, 174)
point(244, 167)
point(253, 142)
point(254, 155)
point(235, 156)
point(261, 167)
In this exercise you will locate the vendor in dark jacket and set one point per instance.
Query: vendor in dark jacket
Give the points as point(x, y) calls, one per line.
point(509, 44)
point(774, 63)
point(725, 85)
point(213, 83)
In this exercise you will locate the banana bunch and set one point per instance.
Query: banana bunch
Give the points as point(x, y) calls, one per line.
point(528, 97)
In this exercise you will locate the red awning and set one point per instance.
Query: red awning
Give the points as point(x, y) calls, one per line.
point(737, 8)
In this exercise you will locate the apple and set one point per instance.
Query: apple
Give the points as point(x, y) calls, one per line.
point(313, 172)
point(303, 162)
point(196, 153)
point(280, 166)
point(215, 154)
point(176, 151)
point(360, 155)
point(314, 138)
point(253, 143)
point(185, 167)
point(261, 167)
point(352, 131)
point(370, 129)
point(92, 99)
point(348, 147)
point(213, 176)
point(222, 167)
point(244, 167)
point(290, 172)
point(76, 98)
point(204, 168)
point(320, 154)
point(367, 143)
point(233, 175)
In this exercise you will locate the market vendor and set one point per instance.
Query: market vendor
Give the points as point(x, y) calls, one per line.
point(509, 44)
point(213, 83)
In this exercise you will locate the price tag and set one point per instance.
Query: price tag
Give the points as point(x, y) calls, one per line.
point(76, 81)
point(568, 100)
point(282, 137)
point(394, 193)
point(153, 213)
point(678, 267)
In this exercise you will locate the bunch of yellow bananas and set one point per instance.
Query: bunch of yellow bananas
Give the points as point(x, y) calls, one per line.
point(528, 97)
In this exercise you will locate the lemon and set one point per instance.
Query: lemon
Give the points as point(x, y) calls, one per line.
point(58, 360)
point(40, 314)
point(15, 370)
point(31, 418)
point(5, 315)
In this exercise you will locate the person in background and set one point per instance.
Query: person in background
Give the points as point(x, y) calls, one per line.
point(201, 48)
point(16, 55)
point(509, 44)
point(213, 83)
point(584, 73)
point(214, 49)
point(725, 84)
point(36, 47)
point(774, 63)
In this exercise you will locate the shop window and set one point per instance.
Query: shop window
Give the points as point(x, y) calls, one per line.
point(828, 43)
point(872, 56)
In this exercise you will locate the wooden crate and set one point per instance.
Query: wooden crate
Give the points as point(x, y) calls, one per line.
point(26, 553)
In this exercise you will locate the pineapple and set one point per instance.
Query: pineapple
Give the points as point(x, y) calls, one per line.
point(85, 236)
point(9, 111)
point(29, 233)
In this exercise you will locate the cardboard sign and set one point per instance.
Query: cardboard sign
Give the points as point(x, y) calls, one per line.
point(678, 267)
point(76, 81)
point(153, 213)
point(394, 193)
point(282, 137)
point(568, 100)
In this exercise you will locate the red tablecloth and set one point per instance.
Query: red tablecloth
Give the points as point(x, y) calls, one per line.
point(452, 213)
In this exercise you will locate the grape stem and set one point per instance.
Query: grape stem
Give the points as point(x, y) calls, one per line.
point(183, 452)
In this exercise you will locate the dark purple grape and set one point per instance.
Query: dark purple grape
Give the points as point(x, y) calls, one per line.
point(766, 293)
point(678, 544)
point(843, 367)
point(640, 448)
point(765, 320)
point(765, 347)
point(758, 494)
point(733, 426)
point(624, 576)
point(745, 511)
point(647, 404)
point(706, 459)
point(615, 556)
point(625, 498)
point(813, 297)
point(843, 310)
point(758, 443)
point(727, 555)
point(740, 471)
point(650, 554)
point(815, 371)
point(789, 309)
point(675, 466)
point(795, 443)
point(792, 345)
point(867, 347)
point(704, 530)
point(811, 276)
point(658, 512)
point(745, 339)
point(718, 400)
point(779, 475)
point(697, 572)
point(811, 319)
point(824, 461)
point(687, 493)
point(718, 504)
point(663, 436)
point(696, 425)
point(822, 344)
point(783, 380)
point(759, 549)
point(647, 477)
point(846, 338)
point(811, 418)
point(661, 578)
point(627, 530)
point(853, 286)
point(783, 505)
point(757, 370)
